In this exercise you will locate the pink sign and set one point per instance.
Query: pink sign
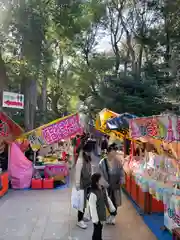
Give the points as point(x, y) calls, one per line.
point(55, 170)
point(63, 129)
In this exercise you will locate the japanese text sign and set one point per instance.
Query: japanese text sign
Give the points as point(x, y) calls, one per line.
point(62, 129)
point(160, 127)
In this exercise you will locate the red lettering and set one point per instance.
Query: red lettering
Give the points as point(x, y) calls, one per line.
point(178, 129)
point(170, 134)
point(177, 220)
point(152, 128)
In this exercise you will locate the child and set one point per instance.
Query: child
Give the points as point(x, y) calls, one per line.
point(98, 202)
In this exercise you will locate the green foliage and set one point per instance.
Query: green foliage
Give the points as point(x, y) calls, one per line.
point(56, 45)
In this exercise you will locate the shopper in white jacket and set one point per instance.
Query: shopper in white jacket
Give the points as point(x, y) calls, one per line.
point(98, 202)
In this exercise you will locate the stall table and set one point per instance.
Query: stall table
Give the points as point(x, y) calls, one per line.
point(51, 173)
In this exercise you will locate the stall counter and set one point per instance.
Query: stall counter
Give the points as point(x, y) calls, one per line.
point(146, 202)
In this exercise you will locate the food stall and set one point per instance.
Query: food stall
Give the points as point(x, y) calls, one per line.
point(48, 144)
point(9, 130)
point(121, 124)
point(118, 127)
point(152, 185)
point(159, 175)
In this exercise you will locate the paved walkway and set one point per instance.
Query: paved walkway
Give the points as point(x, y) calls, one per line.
point(47, 215)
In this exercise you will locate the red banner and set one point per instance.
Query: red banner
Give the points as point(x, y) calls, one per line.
point(8, 128)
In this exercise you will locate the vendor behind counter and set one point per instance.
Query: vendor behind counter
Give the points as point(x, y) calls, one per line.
point(4, 158)
point(30, 154)
point(3, 163)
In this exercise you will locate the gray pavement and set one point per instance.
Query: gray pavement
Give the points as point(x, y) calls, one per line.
point(47, 215)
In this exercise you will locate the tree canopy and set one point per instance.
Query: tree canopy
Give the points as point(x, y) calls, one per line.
point(51, 51)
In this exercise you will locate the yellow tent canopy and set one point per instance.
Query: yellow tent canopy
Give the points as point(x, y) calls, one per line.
point(100, 124)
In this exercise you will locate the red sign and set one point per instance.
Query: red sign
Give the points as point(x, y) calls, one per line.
point(13, 103)
point(8, 128)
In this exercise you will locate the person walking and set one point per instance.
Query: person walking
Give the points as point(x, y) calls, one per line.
point(98, 202)
point(104, 144)
point(83, 179)
point(113, 176)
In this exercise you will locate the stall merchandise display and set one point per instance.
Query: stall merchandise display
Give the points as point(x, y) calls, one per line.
point(152, 178)
point(159, 173)
point(156, 177)
point(52, 152)
point(9, 130)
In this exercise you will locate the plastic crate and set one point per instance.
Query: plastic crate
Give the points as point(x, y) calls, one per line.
point(36, 183)
point(48, 183)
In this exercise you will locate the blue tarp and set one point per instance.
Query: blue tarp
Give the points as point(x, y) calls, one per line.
point(121, 122)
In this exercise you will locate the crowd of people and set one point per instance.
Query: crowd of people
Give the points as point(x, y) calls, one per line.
point(102, 189)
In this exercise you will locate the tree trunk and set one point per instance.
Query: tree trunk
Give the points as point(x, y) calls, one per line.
point(44, 95)
point(33, 102)
point(26, 106)
point(132, 53)
point(3, 78)
point(139, 63)
point(167, 38)
point(126, 63)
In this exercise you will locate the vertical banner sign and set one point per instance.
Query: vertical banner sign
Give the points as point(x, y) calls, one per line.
point(62, 129)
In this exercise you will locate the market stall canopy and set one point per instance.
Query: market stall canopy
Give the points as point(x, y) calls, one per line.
point(164, 127)
point(53, 132)
point(9, 130)
point(103, 117)
point(101, 120)
point(106, 125)
point(161, 130)
point(120, 123)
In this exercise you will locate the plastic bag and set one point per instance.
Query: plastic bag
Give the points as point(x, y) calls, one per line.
point(77, 199)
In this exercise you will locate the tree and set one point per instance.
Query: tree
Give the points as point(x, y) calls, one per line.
point(48, 51)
